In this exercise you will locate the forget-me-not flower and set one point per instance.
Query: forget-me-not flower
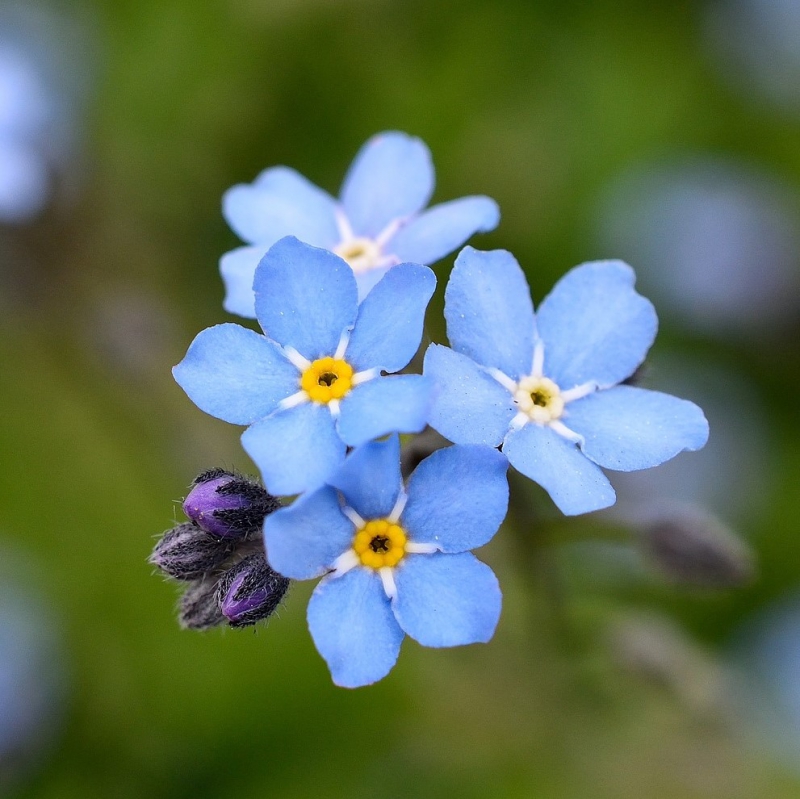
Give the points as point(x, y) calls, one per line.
point(547, 388)
point(312, 386)
point(378, 221)
point(396, 560)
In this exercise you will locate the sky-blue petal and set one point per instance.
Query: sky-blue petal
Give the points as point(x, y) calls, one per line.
point(469, 406)
point(627, 428)
point(457, 498)
point(394, 404)
point(370, 478)
point(594, 326)
point(304, 539)
point(306, 297)
point(390, 319)
point(444, 228)
point(574, 483)
point(447, 600)
point(489, 311)
point(281, 202)
point(238, 268)
point(296, 450)
point(391, 177)
point(366, 281)
point(235, 374)
point(353, 628)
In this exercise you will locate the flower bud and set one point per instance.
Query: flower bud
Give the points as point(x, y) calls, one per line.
point(199, 607)
point(250, 591)
point(227, 505)
point(188, 553)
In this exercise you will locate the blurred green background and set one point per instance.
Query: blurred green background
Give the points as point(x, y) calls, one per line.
point(603, 680)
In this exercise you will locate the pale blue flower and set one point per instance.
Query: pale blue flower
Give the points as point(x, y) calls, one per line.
point(548, 388)
point(377, 222)
point(396, 560)
point(313, 385)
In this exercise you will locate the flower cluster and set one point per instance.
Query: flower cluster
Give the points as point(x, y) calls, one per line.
point(340, 290)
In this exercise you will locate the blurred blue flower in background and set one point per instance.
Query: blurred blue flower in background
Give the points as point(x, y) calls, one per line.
point(547, 388)
point(313, 386)
point(377, 223)
point(398, 561)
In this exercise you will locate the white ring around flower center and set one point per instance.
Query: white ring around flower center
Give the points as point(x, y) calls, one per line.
point(539, 398)
point(361, 253)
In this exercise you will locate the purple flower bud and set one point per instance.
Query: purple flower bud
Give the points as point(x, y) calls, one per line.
point(227, 505)
point(250, 591)
point(188, 553)
point(199, 607)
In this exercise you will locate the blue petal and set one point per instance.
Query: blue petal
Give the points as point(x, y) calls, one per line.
point(489, 311)
point(444, 228)
point(366, 281)
point(389, 324)
point(574, 483)
point(469, 406)
point(305, 539)
point(396, 404)
point(628, 428)
point(235, 374)
point(305, 297)
point(296, 450)
point(391, 177)
point(238, 268)
point(594, 325)
point(457, 498)
point(446, 600)
point(353, 628)
point(370, 478)
point(281, 203)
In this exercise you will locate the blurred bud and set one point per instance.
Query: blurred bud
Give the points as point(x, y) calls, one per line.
point(227, 505)
point(188, 553)
point(692, 547)
point(199, 606)
point(418, 448)
point(250, 591)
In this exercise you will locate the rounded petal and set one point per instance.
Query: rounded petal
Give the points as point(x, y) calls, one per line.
point(305, 297)
point(370, 478)
point(281, 202)
point(457, 498)
point(238, 268)
point(444, 228)
point(446, 600)
point(389, 325)
point(395, 404)
point(627, 428)
point(489, 311)
point(235, 374)
point(296, 450)
point(574, 483)
point(353, 628)
point(304, 539)
point(366, 281)
point(390, 178)
point(594, 325)
point(469, 406)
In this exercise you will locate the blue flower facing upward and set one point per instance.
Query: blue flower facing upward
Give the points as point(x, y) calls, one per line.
point(396, 561)
point(312, 386)
point(377, 223)
point(546, 388)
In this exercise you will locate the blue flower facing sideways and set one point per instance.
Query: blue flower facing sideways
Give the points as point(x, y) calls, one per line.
point(312, 386)
point(395, 561)
point(377, 223)
point(546, 388)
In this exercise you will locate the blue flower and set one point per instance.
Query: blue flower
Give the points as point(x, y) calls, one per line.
point(547, 389)
point(396, 561)
point(376, 224)
point(312, 386)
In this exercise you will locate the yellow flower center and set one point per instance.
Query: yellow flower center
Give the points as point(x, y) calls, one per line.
point(540, 398)
point(327, 379)
point(361, 253)
point(380, 543)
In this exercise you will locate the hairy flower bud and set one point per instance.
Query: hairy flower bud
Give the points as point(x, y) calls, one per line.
point(250, 591)
point(226, 505)
point(199, 606)
point(187, 553)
